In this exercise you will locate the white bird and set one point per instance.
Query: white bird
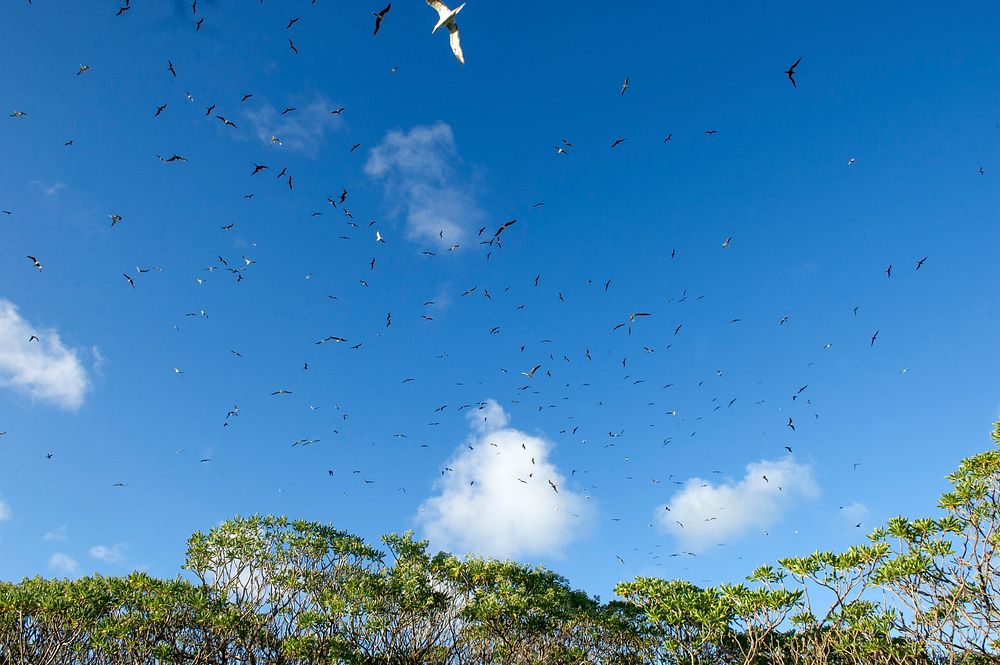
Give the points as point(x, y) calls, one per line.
point(447, 18)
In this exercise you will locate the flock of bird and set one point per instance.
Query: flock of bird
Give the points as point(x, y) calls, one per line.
point(546, 365)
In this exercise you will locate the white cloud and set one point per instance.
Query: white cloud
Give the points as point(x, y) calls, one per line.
point(5, 513)
point(59, 533)
point(302, 130)
point(62, 563)
point(710, 513)
point(482, 505)
point(420, 169)
point(854, 512)
point(44, 369)
point(106, 554)
point(49, 190)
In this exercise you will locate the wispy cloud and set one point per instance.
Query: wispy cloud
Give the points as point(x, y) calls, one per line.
point(49, 189)
point(107, 554)
point(60, 533)
point(302, 130)
point(421, 169)
point(5, 513)
point(854, 513)
point(495, 498)
point(44, 369)
point(63, 564)
point(702, 514)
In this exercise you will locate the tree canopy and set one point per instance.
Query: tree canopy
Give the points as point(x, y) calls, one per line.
point(266, 589)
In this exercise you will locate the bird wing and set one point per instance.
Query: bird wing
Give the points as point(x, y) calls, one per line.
point(456, 45)
point(441, 8)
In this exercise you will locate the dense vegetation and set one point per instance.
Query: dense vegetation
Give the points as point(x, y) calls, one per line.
point(271, 590)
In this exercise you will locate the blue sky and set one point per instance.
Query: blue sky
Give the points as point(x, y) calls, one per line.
point(909, 96)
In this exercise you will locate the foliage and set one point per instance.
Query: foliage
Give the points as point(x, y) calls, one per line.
point(267, 589)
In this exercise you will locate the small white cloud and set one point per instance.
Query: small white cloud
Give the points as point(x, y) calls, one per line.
point(64, 564)
point(49, 190)
point(854, 512)
point(107, 554)
point(5, 513)
point(59, 533)
point(44, 368)
point(701, 513)
point(98, 360)
point(420, 169)
point(496, 498)
point(302, 130)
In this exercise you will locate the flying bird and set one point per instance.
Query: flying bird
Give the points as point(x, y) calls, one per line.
point(790, 72)
point(379, 16)
point(503, 227)
point(531, 374)
point(624, 86)
point(35, 262)
point(446, 17)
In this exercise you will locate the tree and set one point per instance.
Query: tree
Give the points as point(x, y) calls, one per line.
point(945, 571)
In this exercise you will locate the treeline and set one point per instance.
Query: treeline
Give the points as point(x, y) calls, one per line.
point(271, 590)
